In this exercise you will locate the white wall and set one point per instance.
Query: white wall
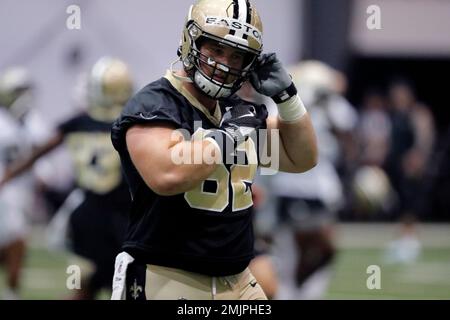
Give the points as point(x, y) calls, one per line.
point(408, 28)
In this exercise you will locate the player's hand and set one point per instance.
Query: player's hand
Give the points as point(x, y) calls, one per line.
point(271, 79)
point(237, 125)
point(240, 121)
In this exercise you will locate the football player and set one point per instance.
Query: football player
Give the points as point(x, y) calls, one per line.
point(22, 128)
point(190, 234)
point(96, 226)
point(308, 203)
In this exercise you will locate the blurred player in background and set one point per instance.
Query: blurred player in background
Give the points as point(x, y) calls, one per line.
point(22, 129)
point(412, 141)
point(374, 129)
point(371, 194)
point(263, 266)
point(307, 203)
point(97, 224)
point(437, 184)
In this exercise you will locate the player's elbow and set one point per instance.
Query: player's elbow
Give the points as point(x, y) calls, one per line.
point(306, 164)
point(311, 158)
point(311, 161)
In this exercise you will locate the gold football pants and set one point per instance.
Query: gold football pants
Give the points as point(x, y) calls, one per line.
point(162, 283)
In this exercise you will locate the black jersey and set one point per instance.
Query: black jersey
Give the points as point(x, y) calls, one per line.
point(98, 225)
point(96, 164)
point(208, 229)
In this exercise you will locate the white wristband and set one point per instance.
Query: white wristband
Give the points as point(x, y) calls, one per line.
point(292, 109)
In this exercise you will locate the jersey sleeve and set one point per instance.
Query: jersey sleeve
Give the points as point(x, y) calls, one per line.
point(69, 125)
point(150, 105)
point(342, 114)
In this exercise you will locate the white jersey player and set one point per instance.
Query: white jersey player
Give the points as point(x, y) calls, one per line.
point(309, 201)
point(21, 129)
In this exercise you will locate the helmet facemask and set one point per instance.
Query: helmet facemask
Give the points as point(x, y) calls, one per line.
point(215, 79)
point(221, 80)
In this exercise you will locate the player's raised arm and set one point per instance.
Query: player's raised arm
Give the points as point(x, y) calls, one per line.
point(298, 146)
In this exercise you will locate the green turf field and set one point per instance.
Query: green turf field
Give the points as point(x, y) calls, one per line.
point(45, 274)
point(426, 278)
point(360, 246)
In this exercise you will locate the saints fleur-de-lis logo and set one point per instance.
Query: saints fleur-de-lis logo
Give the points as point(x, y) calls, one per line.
point(135, 290)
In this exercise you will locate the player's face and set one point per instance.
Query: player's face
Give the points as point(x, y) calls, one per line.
point(221, 62)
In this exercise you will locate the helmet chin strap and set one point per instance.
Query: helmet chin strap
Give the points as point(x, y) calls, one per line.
point(181, 78)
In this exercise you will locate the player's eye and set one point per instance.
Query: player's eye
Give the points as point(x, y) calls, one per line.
point(237, 57)
point(218, 51)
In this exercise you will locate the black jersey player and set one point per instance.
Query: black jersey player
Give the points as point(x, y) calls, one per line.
point(189, 152)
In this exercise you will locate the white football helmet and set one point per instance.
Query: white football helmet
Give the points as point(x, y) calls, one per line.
point(316, 80)
point(15, 91)
point(109, 86)
point(234, 23)
point(372, 190)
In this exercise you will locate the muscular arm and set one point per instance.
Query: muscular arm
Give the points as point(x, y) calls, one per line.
point(23, 165)
point(151, 148)
point(298, 146)
point(297, 151)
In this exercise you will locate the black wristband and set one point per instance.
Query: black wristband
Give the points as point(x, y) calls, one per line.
point(285, 94)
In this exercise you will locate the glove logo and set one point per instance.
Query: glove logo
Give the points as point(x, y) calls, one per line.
point(251, 115)
point(146, 117)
